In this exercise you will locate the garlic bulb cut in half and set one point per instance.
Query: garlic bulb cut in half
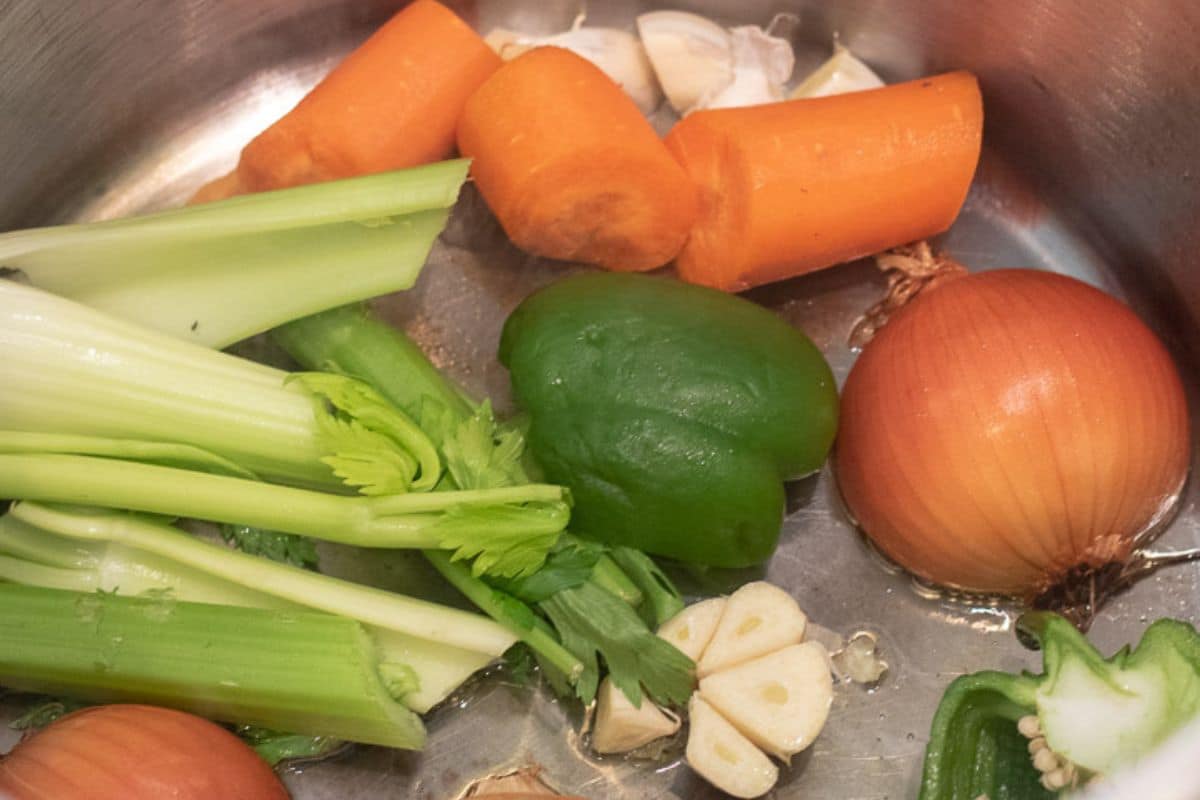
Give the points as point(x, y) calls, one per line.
point(724, 757)
point(759, 618)
point(692, 628)
point(779, 702)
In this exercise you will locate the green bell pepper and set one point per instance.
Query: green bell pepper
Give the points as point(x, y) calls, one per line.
point(1095, 714)
point(673, 412)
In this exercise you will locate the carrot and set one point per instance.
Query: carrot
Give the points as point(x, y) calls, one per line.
point(571, 168)
point(392, 103)
point(791, 187)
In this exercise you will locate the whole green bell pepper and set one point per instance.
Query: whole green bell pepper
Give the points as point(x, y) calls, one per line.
point(1094, 714)
point(673, 412)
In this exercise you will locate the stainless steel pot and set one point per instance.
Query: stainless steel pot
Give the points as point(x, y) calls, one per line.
point(1090, 168)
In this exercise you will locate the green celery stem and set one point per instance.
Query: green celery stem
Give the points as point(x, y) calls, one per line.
point(348, 340)
point(485, 597)
point(295, 670)
point(390, 521)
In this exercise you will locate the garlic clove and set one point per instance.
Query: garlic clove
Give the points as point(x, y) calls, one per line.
point(619, 54)
point(762, 64)
point(758, 619)
point(620, 727)
point(692, 56)
point(779, 701)
point(842, 73)
point(724, 757)
point(692, 628)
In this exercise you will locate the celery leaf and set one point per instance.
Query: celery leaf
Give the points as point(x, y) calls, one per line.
point(480, 453)
point(591, 621)
point(505, 540)
point(369, 443)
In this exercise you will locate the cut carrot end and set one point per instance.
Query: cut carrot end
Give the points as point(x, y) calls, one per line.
point(788, 188)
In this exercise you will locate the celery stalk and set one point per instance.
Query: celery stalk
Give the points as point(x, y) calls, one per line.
point(69, 370)
point(484, 524)
point(201, 273)
point(300, 671)
point(184, 568)
point(398, 612)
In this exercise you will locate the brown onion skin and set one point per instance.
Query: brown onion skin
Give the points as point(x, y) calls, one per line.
point(1007, 426)
point(136, 752)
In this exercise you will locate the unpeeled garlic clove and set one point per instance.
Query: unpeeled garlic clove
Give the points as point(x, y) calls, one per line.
point(758, 619)
point(779, 701)
point(723, 756)
point(620, 727)
point(619, 54)
point(762, 64)
point(692, 56)
point(692, 628)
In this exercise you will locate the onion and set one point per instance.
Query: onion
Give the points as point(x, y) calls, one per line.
point(128, 752)
point(1010, 430)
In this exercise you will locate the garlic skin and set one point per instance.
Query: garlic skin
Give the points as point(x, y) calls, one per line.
point(692, 628)
point(691, 55)
point(619, 54)
point(759, 618)
point(620, 727)
point(700, 65)
point(842, 73)
point(780, 701)
point(723, 756)
point(762, 64)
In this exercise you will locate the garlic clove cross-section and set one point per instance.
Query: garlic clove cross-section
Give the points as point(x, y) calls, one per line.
point(692, 628)
point(758, 619)
point(779, 701)
point(620, 727)
point(723, 756)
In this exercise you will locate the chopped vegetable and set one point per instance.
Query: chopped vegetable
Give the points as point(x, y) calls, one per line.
point(73, 370)
point(672, 412)
point(88, 550)
point(703, 65)
point(506, 531)
point(570, 167)
point(1029, 449)
point(620, 726)
point(394, 102)
point(619, 54)
point(842, 73)
point(592, 621)
point(201, 274)
point(347, 340)
point(779, 701)
point(692, 628)
point(132, 752)
point(757, 619)
point(1093, 713)
point(791, 187)
point(723, 756)
point(294, 670)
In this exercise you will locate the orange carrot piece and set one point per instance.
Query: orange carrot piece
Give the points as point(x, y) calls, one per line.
point(571, 168)
point(791, 187)
point(392, 103)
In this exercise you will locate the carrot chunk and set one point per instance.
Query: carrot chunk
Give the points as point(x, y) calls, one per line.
point(788, 188)
point(392, 103)
point(571, 168)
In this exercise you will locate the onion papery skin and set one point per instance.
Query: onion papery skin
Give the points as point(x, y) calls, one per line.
point(1007, 426)
point(136, 752)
